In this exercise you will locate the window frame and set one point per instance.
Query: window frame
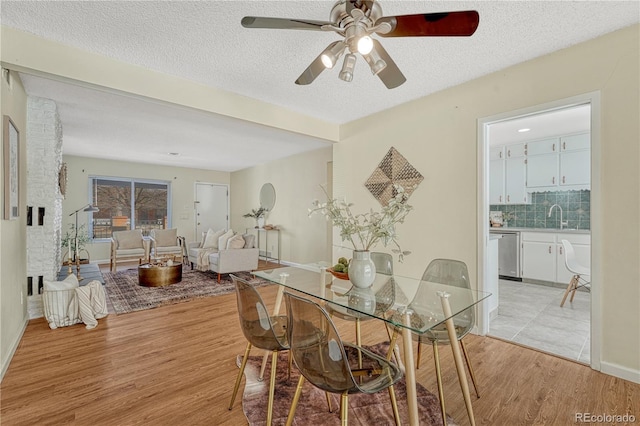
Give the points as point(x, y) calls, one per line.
point(132, 182)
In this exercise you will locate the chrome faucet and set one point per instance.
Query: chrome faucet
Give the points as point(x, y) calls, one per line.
point(562, 223)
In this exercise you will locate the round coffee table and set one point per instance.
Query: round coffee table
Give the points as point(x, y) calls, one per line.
point(159, 275)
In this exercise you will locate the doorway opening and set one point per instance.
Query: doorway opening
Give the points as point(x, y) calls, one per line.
point(536, 178)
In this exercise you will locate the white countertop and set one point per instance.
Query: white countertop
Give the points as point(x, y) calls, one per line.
point(546, 230)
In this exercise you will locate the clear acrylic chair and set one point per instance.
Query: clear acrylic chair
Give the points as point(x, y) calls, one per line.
point(262, 331)
point(454, 273)
point(384, 266)
point(331, 365)
point(579, 272)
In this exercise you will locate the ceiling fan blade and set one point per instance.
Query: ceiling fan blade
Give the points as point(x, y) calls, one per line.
point(391, 75)
point(447, 24)
point(282, 23)
point(314, 70)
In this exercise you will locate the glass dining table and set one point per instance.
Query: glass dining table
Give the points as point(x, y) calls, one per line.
point(389, 299)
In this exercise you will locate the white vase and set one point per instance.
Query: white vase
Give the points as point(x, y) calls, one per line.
point(362, 270)
point(362, 300)
point(260, 222)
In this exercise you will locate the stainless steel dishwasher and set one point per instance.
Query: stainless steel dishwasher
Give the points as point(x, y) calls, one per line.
point(509, 254)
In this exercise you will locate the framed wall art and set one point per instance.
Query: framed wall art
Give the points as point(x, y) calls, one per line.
point(10, 153)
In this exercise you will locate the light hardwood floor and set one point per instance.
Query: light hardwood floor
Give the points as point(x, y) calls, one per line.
point(175, 365)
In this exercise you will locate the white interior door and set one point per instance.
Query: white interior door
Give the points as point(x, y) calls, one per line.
point(211, 207)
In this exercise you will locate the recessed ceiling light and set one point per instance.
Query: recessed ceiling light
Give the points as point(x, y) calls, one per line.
point(175, 154)
point(523, 130)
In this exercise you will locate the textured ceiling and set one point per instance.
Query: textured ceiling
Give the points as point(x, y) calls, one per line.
point(204, 42)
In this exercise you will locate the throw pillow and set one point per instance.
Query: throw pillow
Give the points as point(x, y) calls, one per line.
point(224, 238)
point(211, 240)
point(129, 239)
point(68, 283)
point(249, 240)
point(203, 237)
point(165, 237)
point(235, 242)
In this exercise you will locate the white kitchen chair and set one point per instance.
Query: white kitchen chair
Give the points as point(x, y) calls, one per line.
point(579, 272)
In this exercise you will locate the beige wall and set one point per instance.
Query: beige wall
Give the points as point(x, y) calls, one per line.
point(297, 181)
point(13, 234)
point(438, 135)
point(182, 191)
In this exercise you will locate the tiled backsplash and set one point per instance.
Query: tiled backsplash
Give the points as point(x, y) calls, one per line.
point(576, 207)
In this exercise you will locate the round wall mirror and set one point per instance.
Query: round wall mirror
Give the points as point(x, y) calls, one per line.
point(267, 196)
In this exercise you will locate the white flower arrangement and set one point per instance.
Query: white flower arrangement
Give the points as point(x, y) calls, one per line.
point(365, 230)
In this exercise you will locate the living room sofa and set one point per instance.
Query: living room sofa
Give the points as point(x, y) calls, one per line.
point(232, 258)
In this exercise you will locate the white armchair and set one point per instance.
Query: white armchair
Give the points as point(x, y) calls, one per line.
point(128, 245)
point(166, 242)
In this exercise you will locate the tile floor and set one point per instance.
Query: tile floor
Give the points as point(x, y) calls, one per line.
point(530, 314)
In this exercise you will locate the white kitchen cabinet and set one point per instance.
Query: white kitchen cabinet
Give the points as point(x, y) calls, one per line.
point(538, 256)
point(515, 181)
point(496, 153)
point(575, 168)
point(516, 150)
point(496, 182)
point(542, 255)
point(581, 245)
point(559, 163)
point(542, 170)
point(575, 142)
point(545, 146)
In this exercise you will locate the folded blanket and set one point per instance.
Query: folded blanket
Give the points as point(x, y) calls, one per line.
point(92, 303)
point(202, 263)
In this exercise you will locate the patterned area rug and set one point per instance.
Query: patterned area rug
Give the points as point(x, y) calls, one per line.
point(312, 409)
point(127, 295)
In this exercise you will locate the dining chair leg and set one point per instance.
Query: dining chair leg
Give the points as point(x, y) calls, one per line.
point(392, 344)
point(294, 403)
point(290, 366)
point(272, 387)
point(344, 409)
point(419, 354)
point(244, 363)
point(569, 287)
point(263, 366)
point(471, 372)
point(328, 396)
point(359, 341)
point(436, 359)
point(575, 287)
point(394, 405)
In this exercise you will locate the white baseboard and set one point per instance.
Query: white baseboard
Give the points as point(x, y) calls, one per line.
point(620, 371)
point(14, 347)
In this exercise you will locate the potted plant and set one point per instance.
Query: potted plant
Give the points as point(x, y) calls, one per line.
point(365, 230)
point(69, 240)
point(258, 215)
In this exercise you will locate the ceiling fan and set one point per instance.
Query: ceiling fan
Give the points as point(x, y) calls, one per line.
point(356, 21)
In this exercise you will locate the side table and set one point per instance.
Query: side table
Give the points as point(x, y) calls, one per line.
point(159, 275)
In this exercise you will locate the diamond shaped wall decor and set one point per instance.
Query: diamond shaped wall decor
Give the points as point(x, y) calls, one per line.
point(394, 169)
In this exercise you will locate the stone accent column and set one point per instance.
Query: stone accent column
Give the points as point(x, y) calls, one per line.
point(44, 159)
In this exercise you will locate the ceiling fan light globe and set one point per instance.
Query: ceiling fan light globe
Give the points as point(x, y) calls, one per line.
point(327, 61)
point(348, 66)
point(376, 63)
point(365, 44)
point(378, 66)
point(346, 76)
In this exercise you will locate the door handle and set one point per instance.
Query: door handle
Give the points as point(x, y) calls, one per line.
point(549, 249)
